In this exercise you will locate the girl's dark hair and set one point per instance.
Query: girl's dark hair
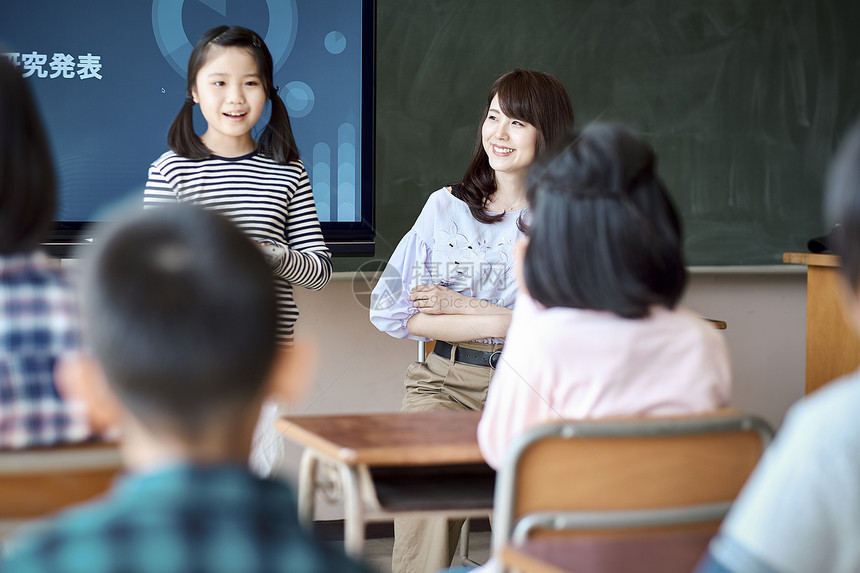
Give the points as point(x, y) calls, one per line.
point(28, 193)
point(534, 97)
point(604, 234)
point(276, 141)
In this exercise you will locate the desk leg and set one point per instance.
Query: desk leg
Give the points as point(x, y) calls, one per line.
point(307, 487)
point(353, 506)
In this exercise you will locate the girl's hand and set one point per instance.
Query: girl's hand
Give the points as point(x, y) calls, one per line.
point(274, 253)
point(435, 299)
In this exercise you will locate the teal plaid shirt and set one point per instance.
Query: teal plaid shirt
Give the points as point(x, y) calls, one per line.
point(187, 519)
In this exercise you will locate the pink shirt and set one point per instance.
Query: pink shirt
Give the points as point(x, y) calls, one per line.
point(565, 363)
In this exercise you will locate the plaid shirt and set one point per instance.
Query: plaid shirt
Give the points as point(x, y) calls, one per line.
point(39, 321)
point(193, 519)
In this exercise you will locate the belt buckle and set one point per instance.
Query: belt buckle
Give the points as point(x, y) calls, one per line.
point(494, 358)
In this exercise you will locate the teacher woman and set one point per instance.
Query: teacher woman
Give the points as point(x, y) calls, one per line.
point(451, 277)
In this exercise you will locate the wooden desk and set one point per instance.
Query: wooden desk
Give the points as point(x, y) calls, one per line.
point(832, 348)
point(38, 481)
point(387, 464)
point(675, 553)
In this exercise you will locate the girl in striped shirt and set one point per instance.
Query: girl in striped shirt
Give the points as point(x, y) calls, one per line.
point(260, 184)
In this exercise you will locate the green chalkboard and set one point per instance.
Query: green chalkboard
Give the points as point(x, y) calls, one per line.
point(743, 100)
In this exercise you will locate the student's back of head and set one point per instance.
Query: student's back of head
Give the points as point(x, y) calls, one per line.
point(604, 235)
point(27, 184)
point(843, 205)
point(181, 315)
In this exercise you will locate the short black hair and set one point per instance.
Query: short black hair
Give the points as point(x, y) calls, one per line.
point(180, 310)
point(604, 234)
point(28, 193)
point(843, 205)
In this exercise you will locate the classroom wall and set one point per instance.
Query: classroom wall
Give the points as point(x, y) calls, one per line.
point(362, 369)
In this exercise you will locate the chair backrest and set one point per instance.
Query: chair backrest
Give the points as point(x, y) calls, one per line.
point(39, 481)
point(625, 476)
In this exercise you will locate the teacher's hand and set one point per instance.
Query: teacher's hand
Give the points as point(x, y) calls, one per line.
point(435, 299)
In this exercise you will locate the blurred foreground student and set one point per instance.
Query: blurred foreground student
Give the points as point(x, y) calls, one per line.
point(181, 317)
point(596, 330)
point(39, 319)
point(800, 509)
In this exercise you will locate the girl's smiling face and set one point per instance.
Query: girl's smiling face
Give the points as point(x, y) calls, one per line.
point(231, 96)
point(509, 143)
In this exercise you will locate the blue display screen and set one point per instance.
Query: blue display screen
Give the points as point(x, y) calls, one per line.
point(109, 77)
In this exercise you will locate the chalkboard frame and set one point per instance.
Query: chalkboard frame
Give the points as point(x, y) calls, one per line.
point(766, 91)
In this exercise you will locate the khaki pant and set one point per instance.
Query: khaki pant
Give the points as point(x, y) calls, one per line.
point(426, 545)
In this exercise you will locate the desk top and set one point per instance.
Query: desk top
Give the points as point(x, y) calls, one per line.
point(812, 259)
point(425, 438)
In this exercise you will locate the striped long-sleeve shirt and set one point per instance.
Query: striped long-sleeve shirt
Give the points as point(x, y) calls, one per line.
point(270, 202)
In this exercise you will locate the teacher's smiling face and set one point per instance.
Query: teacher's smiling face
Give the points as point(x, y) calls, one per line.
point(508, 142)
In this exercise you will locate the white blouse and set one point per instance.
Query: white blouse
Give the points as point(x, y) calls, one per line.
point(447, 246)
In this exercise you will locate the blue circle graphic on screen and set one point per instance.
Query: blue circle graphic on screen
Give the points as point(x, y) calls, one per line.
point(299, 99)
point(176, 47)
point(335, 42)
